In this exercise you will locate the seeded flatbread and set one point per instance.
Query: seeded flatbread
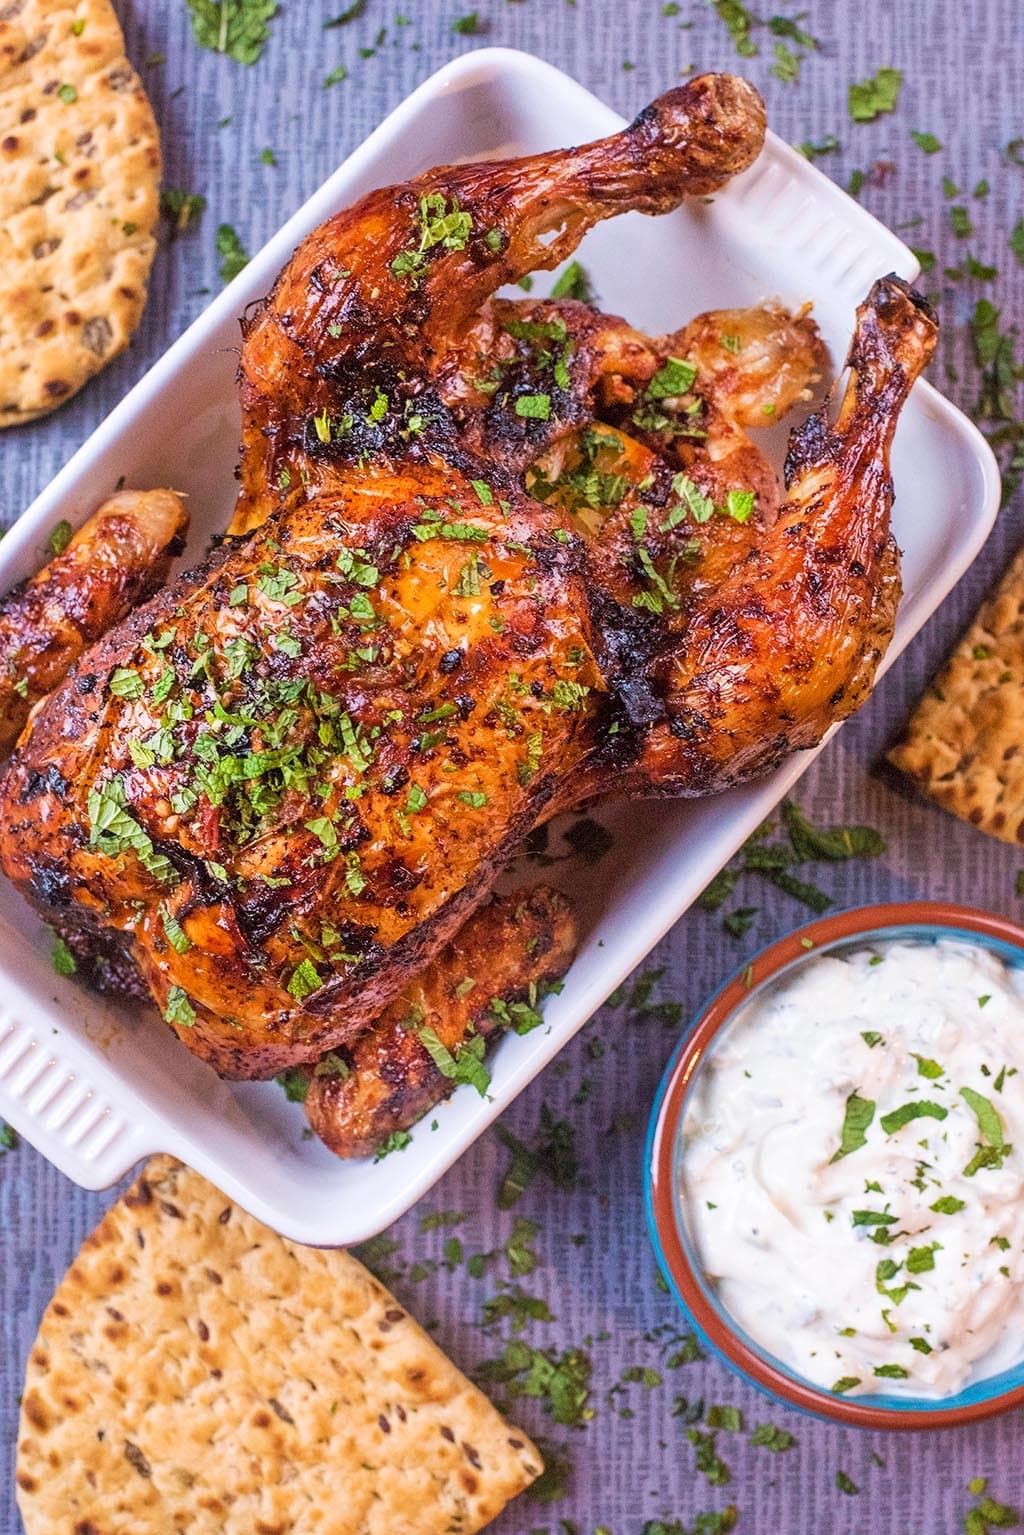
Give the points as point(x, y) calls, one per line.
point(964, 744)
point(195, 1373)
point(79, 182)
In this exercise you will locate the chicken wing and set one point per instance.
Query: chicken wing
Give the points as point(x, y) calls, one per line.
point(116, 560)
point(789, 641)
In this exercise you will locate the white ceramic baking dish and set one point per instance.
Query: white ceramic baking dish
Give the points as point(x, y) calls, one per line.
point(96, 1087)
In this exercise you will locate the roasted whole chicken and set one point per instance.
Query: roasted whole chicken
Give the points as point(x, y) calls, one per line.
point(490, 560)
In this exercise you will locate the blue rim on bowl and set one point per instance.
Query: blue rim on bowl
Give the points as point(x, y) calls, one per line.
point(696, 1297)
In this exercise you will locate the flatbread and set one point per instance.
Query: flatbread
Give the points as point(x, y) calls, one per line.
point(964, 744)
point(79, 185)
point(196, 1373)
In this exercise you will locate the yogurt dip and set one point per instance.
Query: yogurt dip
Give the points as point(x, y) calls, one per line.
point(852, 1168)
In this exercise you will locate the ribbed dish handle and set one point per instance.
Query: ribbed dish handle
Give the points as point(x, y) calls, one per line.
point(67, 1103)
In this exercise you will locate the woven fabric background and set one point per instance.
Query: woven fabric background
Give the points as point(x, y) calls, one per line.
point(963, 67)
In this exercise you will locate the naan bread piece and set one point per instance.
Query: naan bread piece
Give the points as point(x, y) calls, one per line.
point(964, 744)
point(196, 1373)
point(79, 199)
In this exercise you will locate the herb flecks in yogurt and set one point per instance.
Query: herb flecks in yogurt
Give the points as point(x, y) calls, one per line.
point(852, 1106)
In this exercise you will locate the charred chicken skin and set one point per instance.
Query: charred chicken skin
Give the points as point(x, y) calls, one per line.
point(489, 978)
point(332, 737)
point(117, 559)
point(488, 561)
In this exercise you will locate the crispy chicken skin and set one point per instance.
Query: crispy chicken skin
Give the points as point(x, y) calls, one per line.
point(117, 559)
point(342, 727)
point(378, 295)
point(287, 782)
point(789, 642)
point(749, 367)
point(486, 979)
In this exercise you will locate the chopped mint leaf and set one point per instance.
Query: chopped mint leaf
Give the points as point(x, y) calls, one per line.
point(238, 28)
point(947, 1205)
point(857, 1119)
point(869, 98)
point(812, 150)
point(573, 283)
point(64, 961)
point(921, 1108)
point(989, 1122)
point(396, 1141)
point(60, 537)
point(231, 251)
point(351, 13)
point(771, 1437)
point(295, 1082)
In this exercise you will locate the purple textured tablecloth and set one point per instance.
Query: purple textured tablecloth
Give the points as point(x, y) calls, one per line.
point(963, 67)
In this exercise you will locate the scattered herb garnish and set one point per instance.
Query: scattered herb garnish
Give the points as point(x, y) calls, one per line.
point(993, 1150)
point(554, 1155)
point(441, 226)
point(178, 1008)
point(739, 22)
point(553, 1482)
point(989, 1122)
point(770, 1437)
point(987, 1515)
point(869, 98)
point(295, 1082)
point(512, 1304)
point(232, 252)
point(465, 1066)
point(573, 282)
point(60, 537)
point(813, 149)
point(238, 28)
point(64, 961)
point(707, 1459)
point(181, 209)
point(774, 861)
point(351, 13)
point(396, 1141)
point(560, 1381)
point(520, 1255)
